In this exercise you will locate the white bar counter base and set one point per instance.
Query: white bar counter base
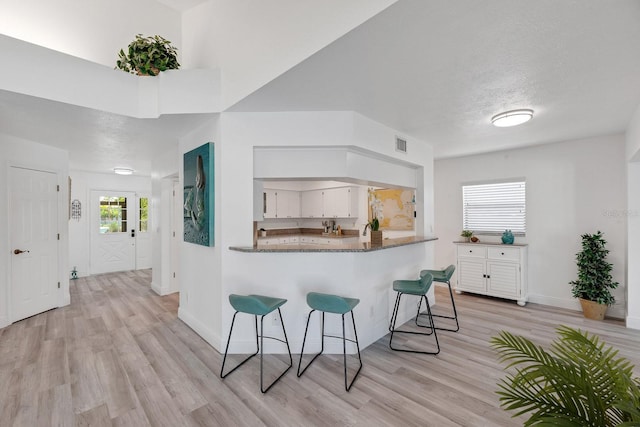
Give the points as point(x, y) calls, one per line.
point(354, 271)
point(493, 269)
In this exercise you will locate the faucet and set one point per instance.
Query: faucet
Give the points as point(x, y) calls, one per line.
point(364, 232)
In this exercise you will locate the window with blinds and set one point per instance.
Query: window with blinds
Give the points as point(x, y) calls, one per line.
point(493, 208)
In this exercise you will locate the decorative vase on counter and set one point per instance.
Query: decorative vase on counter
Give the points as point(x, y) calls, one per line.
point(507, 237)
point(376, 238)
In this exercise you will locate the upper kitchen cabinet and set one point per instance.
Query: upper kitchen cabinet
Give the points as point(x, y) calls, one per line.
point(341, 202)
point(281, 203)
point(312, 204)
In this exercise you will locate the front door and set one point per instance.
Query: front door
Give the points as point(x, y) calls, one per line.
point(33, 235)
point(113, 228)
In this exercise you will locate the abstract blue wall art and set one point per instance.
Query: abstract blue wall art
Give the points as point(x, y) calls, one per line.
point(199, 195)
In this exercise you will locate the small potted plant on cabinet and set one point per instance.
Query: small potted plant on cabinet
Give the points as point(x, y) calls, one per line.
point(594, 283)
point(467, 234)
point(147, 56)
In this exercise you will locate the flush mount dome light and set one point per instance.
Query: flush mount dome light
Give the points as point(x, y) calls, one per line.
point(512, 118)
point(123, 171)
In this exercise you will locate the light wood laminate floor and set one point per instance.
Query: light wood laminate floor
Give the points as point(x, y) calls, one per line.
point(118, 356)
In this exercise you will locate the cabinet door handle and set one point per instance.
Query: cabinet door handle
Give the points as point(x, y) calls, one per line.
point(470, 251)
point(484, 275)
point(502, 253)
point(488, 277)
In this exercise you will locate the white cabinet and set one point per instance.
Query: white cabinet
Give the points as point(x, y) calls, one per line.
point(330, 203)
point(312, 204)
point(281, 204)
point(340, 202)
point(496, 270)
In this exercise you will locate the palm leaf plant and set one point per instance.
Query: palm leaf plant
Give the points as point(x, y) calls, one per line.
point(579, 381)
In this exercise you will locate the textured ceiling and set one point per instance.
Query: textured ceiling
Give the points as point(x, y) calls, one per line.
point(436, 70)
point(439, 70)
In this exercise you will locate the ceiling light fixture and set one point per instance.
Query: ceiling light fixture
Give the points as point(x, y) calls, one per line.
point(512, 118)
point(123, 171)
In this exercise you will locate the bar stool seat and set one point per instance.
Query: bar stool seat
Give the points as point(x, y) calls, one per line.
point(419, 288)
point(257, 305)
point(327, 303)
point(444, 276)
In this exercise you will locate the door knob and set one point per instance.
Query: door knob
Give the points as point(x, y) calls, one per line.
point(18, 252)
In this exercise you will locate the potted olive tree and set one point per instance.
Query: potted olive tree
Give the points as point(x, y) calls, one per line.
point(594, 283)
point(147, 56)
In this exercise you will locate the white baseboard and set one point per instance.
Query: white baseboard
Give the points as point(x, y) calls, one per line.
point(616, 311)
point(633, 322)
point(157, 289)
point(207, 334)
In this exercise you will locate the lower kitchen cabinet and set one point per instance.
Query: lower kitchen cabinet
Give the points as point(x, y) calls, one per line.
point(495, 270)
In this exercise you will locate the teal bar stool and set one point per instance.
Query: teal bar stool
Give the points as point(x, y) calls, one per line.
point(327, 303)
point(257, 305)
point(443, 276)
point(419, 288)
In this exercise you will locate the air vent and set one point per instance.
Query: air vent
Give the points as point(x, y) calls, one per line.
point(401, 145)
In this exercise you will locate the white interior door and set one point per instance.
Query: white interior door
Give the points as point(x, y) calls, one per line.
point(113, 225)
point(33, 237)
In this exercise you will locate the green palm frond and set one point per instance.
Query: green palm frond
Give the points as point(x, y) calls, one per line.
point(579, 381)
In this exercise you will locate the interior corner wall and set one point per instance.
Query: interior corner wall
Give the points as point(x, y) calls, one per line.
point(80, 230)
point(633, 226)
point(200, 266)
point(573, 187)
point(29, 154)
point(164, 172)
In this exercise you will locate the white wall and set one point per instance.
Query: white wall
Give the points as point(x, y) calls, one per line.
point(633, 226)
point(23, 153)
point(200, 266)
point(94, 30)
point(254, 41)
point(79, 231)
point(573, 187)
point(210, 274)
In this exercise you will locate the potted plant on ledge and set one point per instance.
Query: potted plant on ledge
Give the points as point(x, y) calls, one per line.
point(594, 283)
point(467, 234)
point(376, 233)
point(147, 56)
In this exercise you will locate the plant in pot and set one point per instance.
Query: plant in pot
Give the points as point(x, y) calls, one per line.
point(578, 382)
point(467, 234)
point(594, 283)
point(147, 56)
point(376, 233)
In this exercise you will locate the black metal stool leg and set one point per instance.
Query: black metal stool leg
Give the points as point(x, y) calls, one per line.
point(347, 387)
point(303, 343)
point(394, 318)
point(286, 341)
point(224, 360)
point(454, 317)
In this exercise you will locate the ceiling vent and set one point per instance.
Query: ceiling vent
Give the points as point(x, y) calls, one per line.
point(401, 145)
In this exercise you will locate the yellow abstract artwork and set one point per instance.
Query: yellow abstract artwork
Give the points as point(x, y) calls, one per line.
point(394, 208)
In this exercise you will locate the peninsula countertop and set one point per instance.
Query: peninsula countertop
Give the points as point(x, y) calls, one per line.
point(346, 247)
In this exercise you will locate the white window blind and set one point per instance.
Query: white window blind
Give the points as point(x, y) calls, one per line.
point(493, 208)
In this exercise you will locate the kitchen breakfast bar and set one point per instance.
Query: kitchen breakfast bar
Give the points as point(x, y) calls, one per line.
point(355, 270)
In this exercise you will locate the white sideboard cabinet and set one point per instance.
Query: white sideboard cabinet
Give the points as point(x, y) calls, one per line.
point(492, 269)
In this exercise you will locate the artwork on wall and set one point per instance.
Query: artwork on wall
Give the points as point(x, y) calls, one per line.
point(199, 195)
point(394, 208)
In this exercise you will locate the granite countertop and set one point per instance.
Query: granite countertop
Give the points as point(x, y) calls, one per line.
point(345, 247)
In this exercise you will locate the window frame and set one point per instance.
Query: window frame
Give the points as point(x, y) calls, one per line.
point(518, 221)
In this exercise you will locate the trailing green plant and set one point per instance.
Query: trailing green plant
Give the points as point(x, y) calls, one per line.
point(466, 233)
point(148, 56)
point(594, 272)
point(579, 382)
